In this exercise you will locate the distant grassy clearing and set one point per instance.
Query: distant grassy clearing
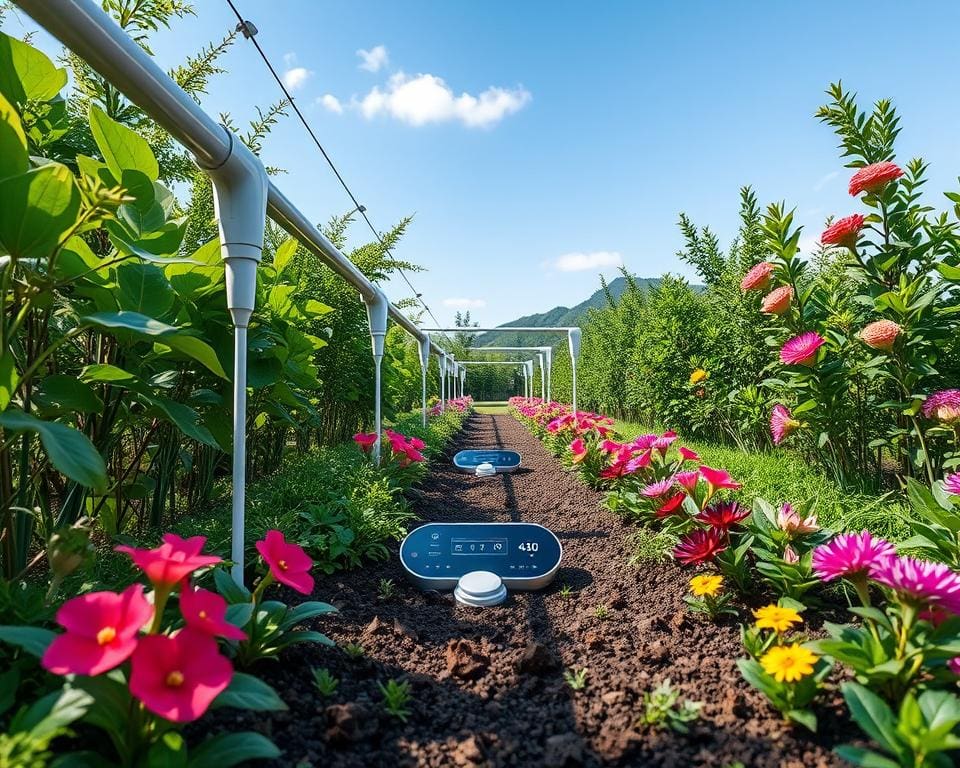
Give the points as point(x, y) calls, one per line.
point(491, 407)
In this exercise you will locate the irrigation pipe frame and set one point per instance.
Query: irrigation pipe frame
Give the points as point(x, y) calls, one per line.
point(544, 355)
point(243, 198)
point(527, 371)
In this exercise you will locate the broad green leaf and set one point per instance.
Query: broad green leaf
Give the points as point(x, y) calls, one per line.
point(8, 379)
point(13, 142)
point(144, 288)
point(184, 418)
point(284, 253)
point(197, 349)
point(873, 715)
point(169, 751)
point(26, 74)
point(249, 692)
point(229, 749)
point(37, 210)
point(34, 640)
point(68, 393)
point(122, 148)
point(69, 450)
point(55, 711)
point(865, 758)
point(129, 321)
point(106, 373)
point(229, 589)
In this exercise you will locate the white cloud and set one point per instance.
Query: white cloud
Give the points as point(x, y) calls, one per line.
point(374, 59)
point(461, 303)
point(425, 98)
point(295, 78)
point(289, 59)
point(331, 103)
point(579, 262)
point(824, 180)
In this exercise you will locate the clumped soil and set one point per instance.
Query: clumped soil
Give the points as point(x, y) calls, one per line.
point(487, 684)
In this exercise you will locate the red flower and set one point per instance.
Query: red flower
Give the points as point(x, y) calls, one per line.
point(179, 677)
point(365, 440)
point(417, 443)
point(873, 178)
point(206, 612)
point(718, 478)
point(288, 563)
point(688, 455)
point(843, 231)
point(172, 561)
point(671, 505)
point(777, 301)
point(699, 546)
point(758, 278)
point(880, 334)
point(723, 515)
point(102, 629)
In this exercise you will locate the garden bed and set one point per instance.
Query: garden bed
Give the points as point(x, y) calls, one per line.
point(488, 685)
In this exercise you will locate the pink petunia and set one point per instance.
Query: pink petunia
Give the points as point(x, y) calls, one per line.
point(172, 561)
point(288, 563)
point(365, 440)
point(102, 629)
point(206, 612)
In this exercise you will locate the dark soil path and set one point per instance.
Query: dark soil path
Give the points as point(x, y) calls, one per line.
point(487, 684)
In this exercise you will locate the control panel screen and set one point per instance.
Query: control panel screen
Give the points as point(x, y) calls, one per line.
point(449, 550)
point(472, 458)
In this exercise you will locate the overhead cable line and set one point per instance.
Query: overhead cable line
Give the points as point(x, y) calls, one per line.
point(249, 31)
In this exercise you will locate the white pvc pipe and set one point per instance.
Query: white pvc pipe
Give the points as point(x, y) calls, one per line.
point(573, 339)
point(377, 318)
point(239, 451)
point(424, 345)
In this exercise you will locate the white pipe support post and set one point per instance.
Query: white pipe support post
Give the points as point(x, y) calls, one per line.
point(443, 382)
point(463, 378)
point(543, 376)
point(549, 352)
point(424, 365)
point(377, 306)
point(573, 339)
point(240, 206)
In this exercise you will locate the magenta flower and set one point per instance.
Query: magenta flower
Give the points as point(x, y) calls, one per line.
point(802, 349)
point(849, 555)
point(951, 483)
point(921, 581)
point(943, 406)
point(102, 629)
point(610, 446)
point(700, 546)
point(671, 505)
point(663, 442)
point(658, 489)
point(643, 442)
point(179, 677)
point(365, 440)
point(687, 455)
point(688, 480)
point(172, 561)
point(782, 423)
point(718, 479)
point(206, 612)
point(639, 462)
point(579, 450)
point(287, 561)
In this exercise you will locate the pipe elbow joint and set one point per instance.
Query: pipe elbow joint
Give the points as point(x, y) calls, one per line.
point(240, 188)
point(377, 309)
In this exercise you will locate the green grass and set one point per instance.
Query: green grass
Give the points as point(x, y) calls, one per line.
point(491, 407)
point(782, 476)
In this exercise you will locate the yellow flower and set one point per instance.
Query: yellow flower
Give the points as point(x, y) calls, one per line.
point(777, 618)
point(707, 584)
point(698, 375)
point(788, 663)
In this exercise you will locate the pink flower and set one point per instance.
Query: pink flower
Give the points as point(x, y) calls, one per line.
point(102, 629)
point(610, 446)
point(951, 484)
point(643, 442)
point(843, 231)
point(802, 349)
point(412, 454)
point(178, 677)
point(172, 561)
point(365, 440)
point(663, 443)
point(782, 423)
point(579, 450)
point(954, 665)
point(932, 584)
point(658, 489)
point(790, 522)
point(849, 554)
point(777, 301)
point(206, 612)
point(943, 406)
point(723, 515)
point(687, 455)
point(790, 555)
point(639, 462)
point(671, 505)
point(758, 278)
point(417, 443)
point(688, 480)
point(718, 479)
point(699, 546)
point(288, 563)
point(880, 334)
point(873, 178)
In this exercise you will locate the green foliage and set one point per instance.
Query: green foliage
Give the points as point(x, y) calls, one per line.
point(576, 678)
point(396, 697)
point(662, 708)
point(325, 683)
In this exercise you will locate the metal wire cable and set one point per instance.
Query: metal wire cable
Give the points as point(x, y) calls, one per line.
point(244, 26)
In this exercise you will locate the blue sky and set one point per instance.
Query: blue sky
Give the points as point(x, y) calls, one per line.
point(586, 127)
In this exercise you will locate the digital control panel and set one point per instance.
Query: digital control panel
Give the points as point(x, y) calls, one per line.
point(524, 555)
point(502, 461)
